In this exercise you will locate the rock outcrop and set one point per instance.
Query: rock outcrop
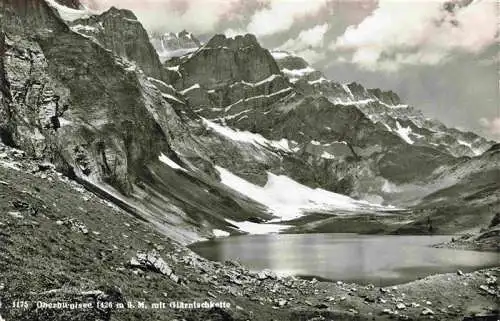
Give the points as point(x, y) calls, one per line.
point(222, 61)
point(73, 4)
point(119, 31)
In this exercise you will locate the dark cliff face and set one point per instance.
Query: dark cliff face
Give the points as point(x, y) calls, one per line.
point(388, 97)
point(101, 121)
point(292, 63)
point(4, 84)
point(119, 31)
point(5, 96)
point(33, 17)
point(65, 79)
point(223, 61)
point(73, 4)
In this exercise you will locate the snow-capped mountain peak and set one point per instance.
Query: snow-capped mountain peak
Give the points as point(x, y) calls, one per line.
point(169, 45)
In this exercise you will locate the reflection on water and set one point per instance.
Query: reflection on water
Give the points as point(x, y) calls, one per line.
point(381, 260)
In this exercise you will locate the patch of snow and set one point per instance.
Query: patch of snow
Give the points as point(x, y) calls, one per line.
point(387, 126)
point(256, 84)
point(154, 80)
point(327, 155)
point(318, 81)
point(172, 98)
point(338, 101)
point(256, 228)
point(461, 142)
point(131, 20)
point(226, 109)
point(175, 69)
point(237, 114)
point(389, 187)
point(298, 72)
point(164, 159)
point(404, 133)
point(69, 14)
point(245, 136)
point(476, 152)
point(315, 142)
point(220, 233)
point(268, 79)
point(185, 91)
point(417, 135)
point(169, 54)
point(258, 97)
point(79, 28)
point(348, 91)
point(281, 144)
point(64, 122)
point(280, 54)
point(270, 95)
point(288, 199)
point(400, 106)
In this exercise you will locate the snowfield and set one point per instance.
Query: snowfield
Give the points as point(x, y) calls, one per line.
point(167, 161)
point(258, 229)
point(288, 199)
point(70, 14)
point(404, 133)
point(220, 233)
point(247, 137)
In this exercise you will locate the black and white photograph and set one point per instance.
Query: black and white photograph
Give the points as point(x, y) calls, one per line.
point(249, 160)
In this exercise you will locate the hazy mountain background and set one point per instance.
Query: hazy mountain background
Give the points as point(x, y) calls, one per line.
point(438, 55)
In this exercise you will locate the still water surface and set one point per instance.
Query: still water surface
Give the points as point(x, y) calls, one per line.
point(380, 260)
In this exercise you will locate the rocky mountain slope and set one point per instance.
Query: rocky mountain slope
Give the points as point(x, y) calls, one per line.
point(196, 142)
point(383, 107)
point(100, 120)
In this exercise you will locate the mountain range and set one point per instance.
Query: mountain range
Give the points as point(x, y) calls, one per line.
point(201, 137)
point(120, 147)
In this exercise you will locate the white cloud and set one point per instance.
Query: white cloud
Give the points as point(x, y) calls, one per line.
point(308, 43)
point(265, 18)
point(401, 32)
point(280, 15)
point(492, 126)
point(231, 33)
point(307, 38)
point(197, 16)
point(312, 56)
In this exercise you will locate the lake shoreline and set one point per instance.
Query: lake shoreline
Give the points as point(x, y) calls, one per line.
point(381, 260)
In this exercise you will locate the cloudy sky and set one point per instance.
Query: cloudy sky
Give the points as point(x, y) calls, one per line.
point(439, 55)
